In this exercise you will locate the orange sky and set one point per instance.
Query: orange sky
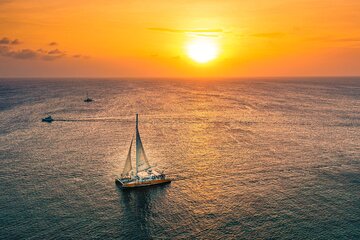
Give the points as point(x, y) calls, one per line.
point(133, 38)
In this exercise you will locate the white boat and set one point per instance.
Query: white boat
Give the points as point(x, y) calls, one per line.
point(143, 174)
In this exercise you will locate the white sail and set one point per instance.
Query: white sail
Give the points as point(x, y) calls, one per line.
point(128, 166)
point(142, 162)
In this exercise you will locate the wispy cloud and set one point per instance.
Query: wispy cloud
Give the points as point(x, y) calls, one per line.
point(347, 40)
point(350, 39)
point(216, 32)
point(268, 35)
point(80, 56)
point(207, 35)
point(335, 39)
point(186, 30)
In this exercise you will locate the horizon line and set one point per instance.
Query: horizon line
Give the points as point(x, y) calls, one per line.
point(184, 78)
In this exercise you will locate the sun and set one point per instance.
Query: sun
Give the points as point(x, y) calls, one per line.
point(202, 50)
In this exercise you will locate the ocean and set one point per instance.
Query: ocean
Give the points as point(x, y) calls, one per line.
point(260, 158)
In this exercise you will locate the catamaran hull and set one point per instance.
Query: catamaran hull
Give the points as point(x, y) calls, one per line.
point(142, 184)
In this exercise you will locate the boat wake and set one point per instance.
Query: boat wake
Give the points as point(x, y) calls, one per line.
point(90, 120)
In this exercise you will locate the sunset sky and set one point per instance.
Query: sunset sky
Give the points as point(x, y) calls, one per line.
point(123, 38)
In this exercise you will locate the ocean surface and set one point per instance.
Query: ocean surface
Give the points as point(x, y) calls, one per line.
point(251, 158)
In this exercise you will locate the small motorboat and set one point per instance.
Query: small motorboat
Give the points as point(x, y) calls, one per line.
point(48, 119)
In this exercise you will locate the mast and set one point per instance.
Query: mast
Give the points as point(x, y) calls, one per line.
point(137, 143)
point(142, 163)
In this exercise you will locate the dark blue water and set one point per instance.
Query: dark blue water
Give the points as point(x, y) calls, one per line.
point(252, 159)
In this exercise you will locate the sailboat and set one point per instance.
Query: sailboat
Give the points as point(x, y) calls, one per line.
point(143, 174)
point(87, 99)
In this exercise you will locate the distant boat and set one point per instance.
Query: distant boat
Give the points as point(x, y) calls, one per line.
point(143, 174)
point(87, 99)
point(48, 119)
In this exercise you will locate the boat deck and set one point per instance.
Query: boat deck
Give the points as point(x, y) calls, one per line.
point(135, 184)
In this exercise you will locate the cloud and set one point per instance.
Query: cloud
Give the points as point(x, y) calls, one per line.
point(40, 50)
point(186, 30)
point(24, 54)
point(331, 39)
point(8, 49)
point(53, 54)
point(80, 56)
point(345, 40)
point(7, 41)
point(15, 42)
point(18, 54)
point(207, 35)
point(335, 39)
point(268, 35)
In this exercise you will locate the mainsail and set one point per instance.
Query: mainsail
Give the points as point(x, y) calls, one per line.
point(142, 163)
point(128, 167)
